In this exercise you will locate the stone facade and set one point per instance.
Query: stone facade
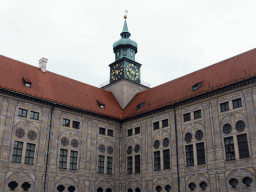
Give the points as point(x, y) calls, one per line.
point(215, 175)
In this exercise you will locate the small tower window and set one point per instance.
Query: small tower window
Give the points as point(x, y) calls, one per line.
point(118, 53)
point(131, 53)
point(27, 82)
point(124, 52)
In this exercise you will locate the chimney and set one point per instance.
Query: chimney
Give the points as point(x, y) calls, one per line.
point(42, 64)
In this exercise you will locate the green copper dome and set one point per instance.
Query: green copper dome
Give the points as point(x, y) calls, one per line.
point(125, 40)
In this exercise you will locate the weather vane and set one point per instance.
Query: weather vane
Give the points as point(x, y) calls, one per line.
point(126, 11)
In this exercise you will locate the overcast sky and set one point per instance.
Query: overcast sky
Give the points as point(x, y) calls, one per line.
point(174, 37)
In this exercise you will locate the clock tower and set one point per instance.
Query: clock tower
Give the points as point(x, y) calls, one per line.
point(125, 65)
point(125, 77)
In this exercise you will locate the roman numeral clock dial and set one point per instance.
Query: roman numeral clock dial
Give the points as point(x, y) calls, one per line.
point(117, 72)
point(132, 72)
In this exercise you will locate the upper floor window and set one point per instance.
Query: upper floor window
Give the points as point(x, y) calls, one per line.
point(129, 132)
point(186, 117)
point(17, 152)
point(101, 164)
point(229, 148)
point(73, 160)
point(76, 124)
point(197, 114)
point(189, 155)
point(157, 164)
point(129, 165)
point(23, 112)
point(110, 133)
point(166, 154)
point(124, 52)
point(224, 107)
point(237, 103)
point(165, 123)
point(29, 158)
point(137, 130)
point(109, 165)
point(137, 163)
point(66, 122)
point(102, 131)
point(118, 53)
point(200, 153)
point(156, 125)
point(63, 158)
point(243, 146)
point(34, 115)
point(131, 53)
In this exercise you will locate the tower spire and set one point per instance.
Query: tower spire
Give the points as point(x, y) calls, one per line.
point(125, 33)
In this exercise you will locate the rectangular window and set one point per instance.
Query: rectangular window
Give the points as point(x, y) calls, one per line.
point(189, 155)
point(66, 122)
point(63, 158)
point(129, 165)
point(17, 151)
point(22, 112)
point(200, 153)
point(125, 52)
point(229, 148)
point(110, 133)
point(166, 154)
point(73, 160)
point(102, 131)
point(131, 53)
point(186, 117)
point(76, 124)
point(137, 163)
point(109, 165)
point(29, 158)
point(34, 115)
point(237, 103)
point(137, 130)
point(117, 54)
point(101, 164)
point(129, 132)
point(157, 165)
point(165, 123)
point(156, 125)
point(224, 107)
point(243, 146)
point(197, 114)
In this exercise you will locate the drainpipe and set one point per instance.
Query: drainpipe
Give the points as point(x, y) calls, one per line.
point(177, 157)
point(48, 148)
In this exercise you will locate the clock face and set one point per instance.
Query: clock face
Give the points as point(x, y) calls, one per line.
point(132, 72)
point(116, 72)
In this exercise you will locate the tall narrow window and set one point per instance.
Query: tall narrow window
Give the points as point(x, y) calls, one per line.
point(165, 123)
point(29, 158)
point(237, 103)
point(109, 165)
point(200, 153)
point(63, 158)
point(224, 107)
point(73, 160)
point(157, 165)
point(243, 146)
point(17, 151)
point(197, 114)
point(129, 165)
point(131, 53)
point(137, 163)
point(189, 155)
point(124, 52)
point(229, 148)
point(101, 164)
point(156, 125)
point(137, 130)
point(166, 159)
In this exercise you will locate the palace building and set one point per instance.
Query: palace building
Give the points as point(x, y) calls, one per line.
point(194, 133)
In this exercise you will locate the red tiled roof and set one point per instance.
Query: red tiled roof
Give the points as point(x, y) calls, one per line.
point(56, 88)
point(63, 90)
point(224, 73)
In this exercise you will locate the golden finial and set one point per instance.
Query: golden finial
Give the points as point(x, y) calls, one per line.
point(125, 17)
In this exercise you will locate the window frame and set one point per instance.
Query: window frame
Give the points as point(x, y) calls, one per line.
point(164, 124)
point(198, 114)
point(32, 115)
point(228, 145)
point(64, 122)
point(129, 132)
point(224, 106)
point(137, 163)
point(242, 145)
point(30, 151)
point(200, 153)
point(74, 158)
point(237, 103)
point(76, 124)
point(110, 132)
point(16, 153)
point(136, 132)
point(157, 161)
point(102, 131)
point(167, 160)
point(156, 125)
point(109, 165)
point(186, 117)
point(62, 156)
point(101, 160)
point(22, 112)
point(129, 165)
point(189, 155)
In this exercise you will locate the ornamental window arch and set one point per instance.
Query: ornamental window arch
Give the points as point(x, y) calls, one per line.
point(197, 183)
point(19, 182)
point(194, 144)
point(105, 155)
point(69, 150)
point(25, 138)
point(163, 185)
point(104, 186)
point(134, 186)
point(66, 184)
point(241, 180)
point(235, 134)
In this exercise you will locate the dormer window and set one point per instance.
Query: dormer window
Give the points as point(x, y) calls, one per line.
point(140, 105)
point(101, 104)
point(196, 86)
point(27, 82)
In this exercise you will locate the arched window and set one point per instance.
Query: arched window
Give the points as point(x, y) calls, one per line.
point(137, 189)
point(99, 189)
point(109, 190)
point(129, 190)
